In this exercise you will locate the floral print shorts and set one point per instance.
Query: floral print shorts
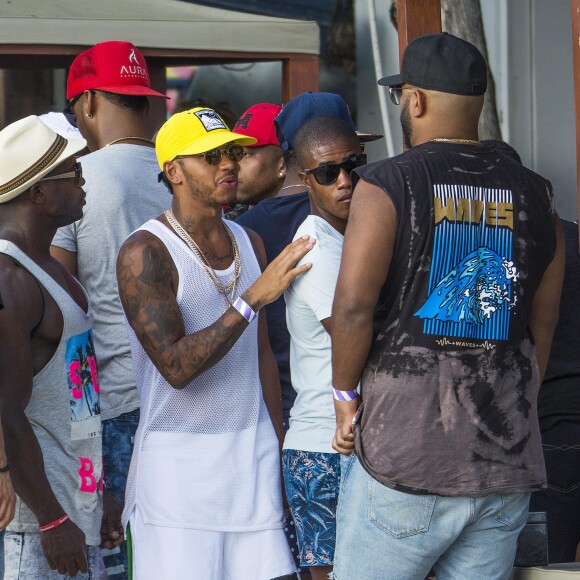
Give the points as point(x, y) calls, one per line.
point(312, 484)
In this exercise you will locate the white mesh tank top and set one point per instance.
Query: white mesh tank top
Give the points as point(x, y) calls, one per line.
point(205, 456)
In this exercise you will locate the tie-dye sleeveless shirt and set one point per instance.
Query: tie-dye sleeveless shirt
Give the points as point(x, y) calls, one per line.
point(451, 382)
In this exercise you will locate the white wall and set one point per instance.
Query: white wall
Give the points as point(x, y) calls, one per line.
point(530, 51)
point(368, 110)
point(529, 45)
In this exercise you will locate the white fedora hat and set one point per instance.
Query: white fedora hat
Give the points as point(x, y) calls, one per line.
point(28, 151)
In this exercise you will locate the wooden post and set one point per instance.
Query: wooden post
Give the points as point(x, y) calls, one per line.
point(299, 75)
point(415, 18)
point(158, 110)
point(576, 60)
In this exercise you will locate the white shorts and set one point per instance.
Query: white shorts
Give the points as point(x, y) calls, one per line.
point(163, 552)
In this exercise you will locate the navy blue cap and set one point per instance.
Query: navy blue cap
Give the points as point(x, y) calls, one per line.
point(297, 112)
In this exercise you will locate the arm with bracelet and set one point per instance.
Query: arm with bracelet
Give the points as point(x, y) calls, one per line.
point(62, 540)
point(368, 247)
point(147, 286)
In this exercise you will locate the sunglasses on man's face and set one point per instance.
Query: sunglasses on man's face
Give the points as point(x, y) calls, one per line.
point(328, 174)
point(396, 92)
point(68, 110)
point(77, 173)
point(234, 152)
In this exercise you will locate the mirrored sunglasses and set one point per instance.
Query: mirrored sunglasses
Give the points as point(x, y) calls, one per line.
point(328, 174)
point(234, 152)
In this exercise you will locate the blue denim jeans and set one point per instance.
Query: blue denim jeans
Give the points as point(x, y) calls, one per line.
point(25, 560)
point(2, 533)
point(383, 534)
point(118, 440)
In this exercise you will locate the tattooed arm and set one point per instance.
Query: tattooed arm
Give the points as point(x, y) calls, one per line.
point(147, 282)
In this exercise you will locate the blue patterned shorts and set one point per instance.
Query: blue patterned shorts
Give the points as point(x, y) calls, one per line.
point(312, 484)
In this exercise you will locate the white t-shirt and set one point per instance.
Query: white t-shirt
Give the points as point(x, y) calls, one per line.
point(122, 194)
point(308, 301)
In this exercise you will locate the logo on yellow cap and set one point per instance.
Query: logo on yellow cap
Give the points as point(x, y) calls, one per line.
point(210, 120)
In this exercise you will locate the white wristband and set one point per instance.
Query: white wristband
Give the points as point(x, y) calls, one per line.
point(244, 309)
point(344, 395)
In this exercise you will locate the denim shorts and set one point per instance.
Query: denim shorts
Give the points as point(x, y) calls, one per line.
point(24, 558)
point(312, 485)
point(118, 439)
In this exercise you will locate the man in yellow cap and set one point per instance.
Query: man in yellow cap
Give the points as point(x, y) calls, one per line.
point(204, 493)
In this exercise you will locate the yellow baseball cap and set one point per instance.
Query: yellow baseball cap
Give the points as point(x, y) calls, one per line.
point(195, 131)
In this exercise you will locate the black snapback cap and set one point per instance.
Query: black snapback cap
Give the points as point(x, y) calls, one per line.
point(442, 62)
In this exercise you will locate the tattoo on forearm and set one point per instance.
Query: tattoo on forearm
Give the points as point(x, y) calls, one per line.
point(144, 277)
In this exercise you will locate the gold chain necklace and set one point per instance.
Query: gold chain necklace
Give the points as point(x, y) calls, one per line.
point(223, 290)
point(464, 141)
point(130, 139)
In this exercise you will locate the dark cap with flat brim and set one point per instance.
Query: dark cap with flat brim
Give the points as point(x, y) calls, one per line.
point(368, 137)
point(310, 105)
point(305, 107)
point(442, 62)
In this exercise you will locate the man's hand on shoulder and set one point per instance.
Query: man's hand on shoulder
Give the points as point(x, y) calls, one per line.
point(279, 274)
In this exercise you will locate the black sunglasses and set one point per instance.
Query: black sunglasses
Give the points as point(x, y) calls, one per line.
point(396, 92)
point(69, 106)
point(234, 152)
point(328, 174)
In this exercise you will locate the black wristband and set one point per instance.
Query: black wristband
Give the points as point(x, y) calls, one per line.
point(5, 468)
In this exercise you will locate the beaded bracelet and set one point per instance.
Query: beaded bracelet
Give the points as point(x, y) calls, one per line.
point(5, 468)
point(344, 395)
point(55, 524)
point(244, 309)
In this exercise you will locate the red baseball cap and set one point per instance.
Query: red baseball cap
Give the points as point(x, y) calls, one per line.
point(114, 66)
point(258, 122)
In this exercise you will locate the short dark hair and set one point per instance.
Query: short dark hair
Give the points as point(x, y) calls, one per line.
point(322, 131)
point(162, 178)
point(135, 103)
point(290, 160)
